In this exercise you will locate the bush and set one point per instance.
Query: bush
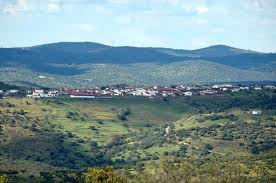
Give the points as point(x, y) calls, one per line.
point(122, 115)
point(207, 148)
point(93, 128)
point(100, 175)
point(3, 179)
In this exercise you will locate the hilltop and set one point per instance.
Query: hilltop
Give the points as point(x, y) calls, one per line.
point(72, 64)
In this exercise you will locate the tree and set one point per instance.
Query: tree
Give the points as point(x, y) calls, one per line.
point(3, 179)
point(182, 150)
point(94, 144)
point(103, 175)
point(93, 128)
point(122, 115)
point(47, 176)
point(207, 149)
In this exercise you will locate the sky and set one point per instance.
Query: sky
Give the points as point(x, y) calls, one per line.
point(182, 24)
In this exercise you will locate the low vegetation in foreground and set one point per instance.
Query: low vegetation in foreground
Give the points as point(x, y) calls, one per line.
point(182, 139)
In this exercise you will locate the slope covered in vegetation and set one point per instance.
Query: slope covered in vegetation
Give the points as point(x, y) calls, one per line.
point(187, 72)
point(69, 64)
point(207, 137)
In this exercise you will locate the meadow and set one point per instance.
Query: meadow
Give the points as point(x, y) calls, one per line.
point(39, 137)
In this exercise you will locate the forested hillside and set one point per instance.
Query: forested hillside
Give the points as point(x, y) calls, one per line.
point(71, 64)
point(193, 138)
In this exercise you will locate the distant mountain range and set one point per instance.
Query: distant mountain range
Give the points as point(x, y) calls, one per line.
point(86, 64)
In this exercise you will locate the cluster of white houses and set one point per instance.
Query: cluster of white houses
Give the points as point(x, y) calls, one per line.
point(39, 93)
point(167, 91)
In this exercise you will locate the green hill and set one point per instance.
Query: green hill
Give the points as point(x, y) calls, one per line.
point(188, 72)
point(59, 138)
point(77, 64)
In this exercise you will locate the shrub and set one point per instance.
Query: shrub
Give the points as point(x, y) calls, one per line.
point(100, 175)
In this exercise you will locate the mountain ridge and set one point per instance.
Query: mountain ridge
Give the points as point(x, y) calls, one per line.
point(62, 43)
point(90, 52)
point(80, 59)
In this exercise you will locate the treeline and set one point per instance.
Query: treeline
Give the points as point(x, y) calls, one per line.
point(22, 91)
point(216, 169)
point(263, 100)
point(5, 87)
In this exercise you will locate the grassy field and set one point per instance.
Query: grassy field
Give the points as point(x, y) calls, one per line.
point(102, 114)
point(65, 134)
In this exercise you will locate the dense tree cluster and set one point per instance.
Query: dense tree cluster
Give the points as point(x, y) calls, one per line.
point(122, 115)
point(74, 115)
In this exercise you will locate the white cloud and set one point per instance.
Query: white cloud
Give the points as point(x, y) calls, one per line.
point(201, 9)
point(53, 7)
point(87, 27)
point(57, 5)
point(194, 8)
point(263, 4)
point(17, 7)
point(33, 6)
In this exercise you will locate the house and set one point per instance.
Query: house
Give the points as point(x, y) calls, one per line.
point(215, 86)
point(105, 92)
point(258, 88)
point(52, 93)
point(256, 112)
point(41, 77)
point(82, 96)
point(245, 88)
point(210, 92)
point(188, 93)
point(117, 92)
point(138, 92)
point(36, 93)
point(13, 91)
point(235, 89)
point(270, 87)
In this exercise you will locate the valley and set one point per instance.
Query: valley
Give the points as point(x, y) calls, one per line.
point(137, 91)
point(50, 136)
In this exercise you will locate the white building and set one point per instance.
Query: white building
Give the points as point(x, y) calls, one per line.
point(188, 93)
point(258, 88)
point(13, 91)
point(41, 77)
point(138, 92)
point(117, 92)
point(40, 94)
point(215, 86)
point(82, 96)
point(256, 112)
point(235, 89)
point(245, 88)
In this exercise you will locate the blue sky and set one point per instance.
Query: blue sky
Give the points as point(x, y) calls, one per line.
point(186, 24)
